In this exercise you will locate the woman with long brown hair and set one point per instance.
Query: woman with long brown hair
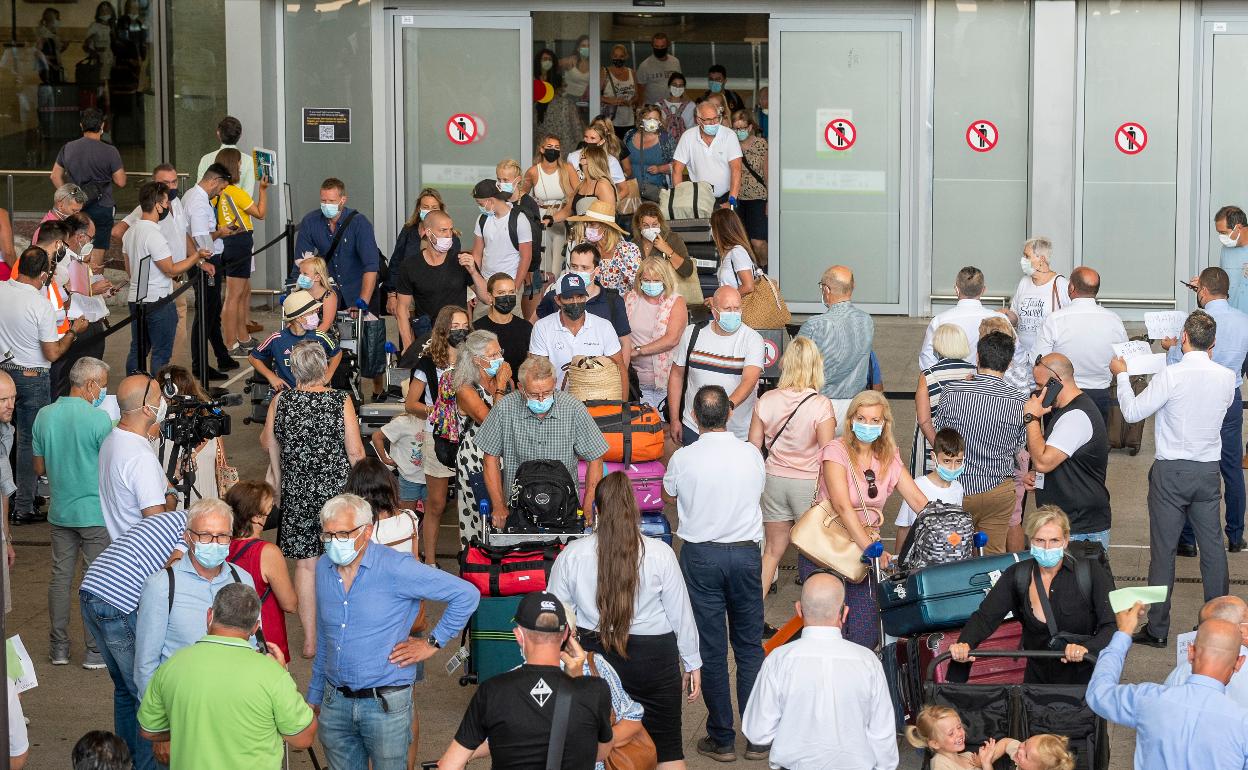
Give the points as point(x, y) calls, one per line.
point(252, 502)
point(235, 212)
point(736, 257)
point(634, 610)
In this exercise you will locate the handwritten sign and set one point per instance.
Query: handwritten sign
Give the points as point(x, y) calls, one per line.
point(1168, 323)
point(1140, 357)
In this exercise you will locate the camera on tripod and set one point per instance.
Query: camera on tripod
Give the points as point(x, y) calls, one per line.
point(190, 421)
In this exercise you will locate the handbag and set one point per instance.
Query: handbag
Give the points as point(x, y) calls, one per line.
point(630, 200)
point(822, 538)
point(508, 570)
point(593, 378)
point(764, 308)
point(227, 475)
point(636, 753)
point(689, 200)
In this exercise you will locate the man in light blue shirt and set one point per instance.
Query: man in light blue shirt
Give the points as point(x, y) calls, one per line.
point(1193, 725)
point(1232, 226)
point(176, 600)
point(1230, 350)
point(843, 334)
point(1234, 610)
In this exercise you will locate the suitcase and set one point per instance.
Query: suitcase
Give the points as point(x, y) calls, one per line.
point(916, 654)
point(492, 648)
point(1124, 435)
point(633, 431)
point(647, 481)
point(941, 596)
point(655, 524)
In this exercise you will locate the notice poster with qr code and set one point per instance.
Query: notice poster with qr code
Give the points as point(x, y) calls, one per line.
point(326, 124)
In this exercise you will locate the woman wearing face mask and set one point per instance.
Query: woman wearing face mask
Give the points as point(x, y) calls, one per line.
point(657, 316)
point(575, 69)
point(677, 109)
point(619, 91)
point(545, 69)
point(481, 374)
point(655, 239)
point(1040, 291)
point(858, 473)
point(98, 44)
point(513, 332)
point(594, 175)
point(620, 258)
point(752, 200)
point(314, 279)
point(1062, 602)
point(650, 150)
point(252, 502)
point(553, 183)
point(312, 436)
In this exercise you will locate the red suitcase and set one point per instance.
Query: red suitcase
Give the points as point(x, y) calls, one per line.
point(647, 481)
point(918, 652)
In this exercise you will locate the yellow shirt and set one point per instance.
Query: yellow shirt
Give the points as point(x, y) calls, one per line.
point(232, 205)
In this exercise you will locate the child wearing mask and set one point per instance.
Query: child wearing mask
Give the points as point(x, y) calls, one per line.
point(314, 279)
point(949, 454)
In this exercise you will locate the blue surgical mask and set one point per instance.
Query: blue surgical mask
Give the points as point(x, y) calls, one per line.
point(715, 86)
point(483, 209)
point(303, 282)
point(586, 277)
point(1047, 557)
point(100, 398)
point(730, 320)
point(652, 288)
point(507, 187)
point(540, 407)
point(424, 213)
point(867, 433)
point(710, 129)
point(950, 475)
point(340, 553)
point(495, 365)
point(211, 555)
point(329, 210)
point(743, 134)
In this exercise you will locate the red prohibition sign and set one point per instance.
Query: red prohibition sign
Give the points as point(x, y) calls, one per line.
point(461, 128)
point(982, 135)
point(840, 134)
point(1130, 138)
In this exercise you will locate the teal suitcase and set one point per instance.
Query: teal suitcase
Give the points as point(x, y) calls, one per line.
point(492, 648)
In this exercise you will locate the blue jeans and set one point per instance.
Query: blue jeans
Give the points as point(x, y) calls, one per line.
point(725, 580)
point(33, 393)
point(357, 732)
point(162, 325)
point(1101, 537)
point(114, 632)
point(1231, 466)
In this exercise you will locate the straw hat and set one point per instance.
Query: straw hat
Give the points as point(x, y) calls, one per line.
point(602, 213)
point(298, 304)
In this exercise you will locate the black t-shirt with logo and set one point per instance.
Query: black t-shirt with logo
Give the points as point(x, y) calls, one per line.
point(514, 712)
point(513, 338)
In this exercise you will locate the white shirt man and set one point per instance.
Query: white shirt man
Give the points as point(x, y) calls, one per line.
point(174, 227)
point(201, 217)
point(655, 70)
point(967, 315)
point(1233, 610)
point(558, 338)
point(131, 479)
point(711, 162)
point(1085, 333)
point(145, 245)
point(26, 320)
point(717, 482)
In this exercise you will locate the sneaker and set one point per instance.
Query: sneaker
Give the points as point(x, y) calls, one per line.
point(94, 661)
point(59, 654)
point(754, 751)
point(707, 748)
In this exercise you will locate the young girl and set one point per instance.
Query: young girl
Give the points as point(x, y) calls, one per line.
point(314, 279)
point(939, 730)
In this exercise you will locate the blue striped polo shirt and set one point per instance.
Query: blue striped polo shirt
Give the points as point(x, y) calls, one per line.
point(117, 575)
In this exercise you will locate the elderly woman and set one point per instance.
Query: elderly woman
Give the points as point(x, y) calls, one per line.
point(480, 375)
point(313, 438)
point(952, 349)
point(1062, 602)
point(66, 201)
point(657, 316)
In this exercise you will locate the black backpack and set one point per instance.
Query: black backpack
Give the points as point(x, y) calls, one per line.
point(941, 534)
point(543, 499)
point(528, 208)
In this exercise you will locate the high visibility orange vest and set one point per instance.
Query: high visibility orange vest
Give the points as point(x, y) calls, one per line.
point(57, 297)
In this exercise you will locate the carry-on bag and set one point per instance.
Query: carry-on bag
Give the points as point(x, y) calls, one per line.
point(941, 596)
point(689, 200)
point(633, 430)
point(1122, 434)
point(646, 478)
point(508, 570)
point(492, 648)
point(543, 499)
point(655, 524)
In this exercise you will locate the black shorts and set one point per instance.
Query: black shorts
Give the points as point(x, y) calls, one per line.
point(651, 676)
point(236, 258)
point(754, 216)
point(102, 216)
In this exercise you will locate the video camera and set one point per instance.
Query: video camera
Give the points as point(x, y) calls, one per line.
point(190, 421)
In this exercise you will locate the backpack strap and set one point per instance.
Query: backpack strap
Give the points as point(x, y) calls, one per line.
point(169, 572)
point(684, 387)
point(1083, 578)
point(512, 228)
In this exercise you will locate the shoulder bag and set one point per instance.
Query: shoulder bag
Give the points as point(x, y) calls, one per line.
point(227, 475)
point(764, 308)
point(559, 726)
point(822, 538)
point(636, 753)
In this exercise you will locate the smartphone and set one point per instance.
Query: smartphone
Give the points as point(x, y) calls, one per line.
point(689, 687)
point(1051, 390)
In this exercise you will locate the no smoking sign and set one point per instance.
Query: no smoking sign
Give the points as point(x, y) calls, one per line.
point(982, 135)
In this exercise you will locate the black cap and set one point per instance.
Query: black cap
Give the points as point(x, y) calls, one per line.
point(488, 188)
point(533, 606)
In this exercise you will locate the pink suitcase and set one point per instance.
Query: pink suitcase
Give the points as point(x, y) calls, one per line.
point(647, 481)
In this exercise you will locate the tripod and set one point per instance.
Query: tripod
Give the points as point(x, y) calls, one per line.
point(182, 461)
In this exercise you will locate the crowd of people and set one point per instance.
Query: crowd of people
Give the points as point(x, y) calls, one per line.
point(1008, 402)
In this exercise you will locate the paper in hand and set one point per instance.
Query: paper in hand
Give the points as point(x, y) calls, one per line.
point(1168, 323)
point(1129, 350)
point(1149, 364)
point(1123, 598)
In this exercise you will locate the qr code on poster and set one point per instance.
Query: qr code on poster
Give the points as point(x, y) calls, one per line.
point(325, 132)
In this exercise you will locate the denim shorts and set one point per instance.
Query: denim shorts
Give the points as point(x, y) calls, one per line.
point(411, 490)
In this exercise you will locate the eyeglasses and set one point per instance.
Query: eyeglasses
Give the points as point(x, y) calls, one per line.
point(341, 537)
point(205, 538)
point(1039, 362)
point(872, 489)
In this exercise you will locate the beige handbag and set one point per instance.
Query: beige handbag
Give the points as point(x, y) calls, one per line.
point(630, 199)
point(765, 308)
point(593, 378)
point(822, 538)
point(227, 475)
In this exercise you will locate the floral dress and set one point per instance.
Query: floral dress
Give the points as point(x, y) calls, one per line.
point(310, 429)
point(470, 461)
point(618, 270)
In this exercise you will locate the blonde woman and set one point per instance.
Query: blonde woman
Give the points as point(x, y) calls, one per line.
point(791, 423)
point(235, 212)
point(594, 174)
point(859, 472)
point(620, 257)
point(736, 257)
point(952, 351)
point(657, 316)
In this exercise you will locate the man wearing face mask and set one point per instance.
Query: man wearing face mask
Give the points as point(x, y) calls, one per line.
point(67, 436)
point(504, 238)
point(709, 155)
point(655, 69)
point(132, 482)
point(761, 111)
point(724, 352)
point(28, 333)
point(717, 83)
point(437, 277)
point(271, 358)
point(573, 332)
point(1231, 224)
point(584, 260)
point(176, 600)
point(843, 334)
point(53, 239)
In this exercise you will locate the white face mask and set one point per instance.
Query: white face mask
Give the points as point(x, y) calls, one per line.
point(650, 125)
point(1227, 239)
point(1025, 264)
point(677, 91)
point(650, 233)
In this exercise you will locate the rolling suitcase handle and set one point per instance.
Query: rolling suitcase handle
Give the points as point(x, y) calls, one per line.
point(1089, 657)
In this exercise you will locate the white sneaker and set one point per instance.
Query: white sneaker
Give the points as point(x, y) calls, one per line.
point(59, 654)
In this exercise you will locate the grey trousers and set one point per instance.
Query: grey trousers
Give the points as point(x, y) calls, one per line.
point(1182, 491)
point(67, 543)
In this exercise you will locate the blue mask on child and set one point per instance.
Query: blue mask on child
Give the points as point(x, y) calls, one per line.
point(867, 433)
point(1047, 557)
point(950, 475)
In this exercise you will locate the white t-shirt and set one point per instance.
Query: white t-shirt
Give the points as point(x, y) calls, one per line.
point(1033, 304)
point(19, 738)
point(131, 479)
point(613, 165)
point(720, 360)
point(141, 241)
point(500, 256)
point(653, 73)
point(175, 227)
point(951, 495)
point(407, 435)
point(736, 260)
point(1072, 430)
point(552, 339)
point(26, 320)
point(709, 163)
point(201, 216)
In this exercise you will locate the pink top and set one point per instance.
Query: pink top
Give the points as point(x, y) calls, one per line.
point(796, 454)
point(885, 481)
point(648, 321)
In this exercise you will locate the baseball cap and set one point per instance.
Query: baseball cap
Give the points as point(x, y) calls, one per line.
point(533, 606)
point(572, 285)
point(488, 188)
point(298, 304)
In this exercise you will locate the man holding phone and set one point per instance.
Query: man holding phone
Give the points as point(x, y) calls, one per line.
point(1069, 449)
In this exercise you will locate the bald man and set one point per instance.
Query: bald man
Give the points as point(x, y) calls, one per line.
point(804, 681)
point(1234, 610)
point(1069, 450)
point(843, 334)
point(724, 352)
point(430, 272)
point(132, 482)
point(1191, 725)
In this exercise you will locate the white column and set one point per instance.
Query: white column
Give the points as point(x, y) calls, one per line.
point(1055, 55)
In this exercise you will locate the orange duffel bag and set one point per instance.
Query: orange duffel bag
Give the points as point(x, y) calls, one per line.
point(633, 430)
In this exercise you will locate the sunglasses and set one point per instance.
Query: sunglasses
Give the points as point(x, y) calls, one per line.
point(872, 490)
point(1039, 362)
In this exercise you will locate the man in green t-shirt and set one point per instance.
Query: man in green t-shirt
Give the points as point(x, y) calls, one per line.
point(197, 720)
point(66, 440)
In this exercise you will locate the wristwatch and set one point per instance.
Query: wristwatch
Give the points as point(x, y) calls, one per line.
point(434, 643)
point(1029, 418)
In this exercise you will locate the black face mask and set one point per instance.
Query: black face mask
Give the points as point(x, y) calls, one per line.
point(172, 192)
point(164, 213)
point(505, 303)
point(456, 337)
point(551, 155)
point(617, 62)
point(659, 53)
point(574, 311)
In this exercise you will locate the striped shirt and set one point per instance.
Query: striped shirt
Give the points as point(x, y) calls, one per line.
point(989, 415)
point(117, 575)
point(720, 359)
point(936, 376)
point(843, 335)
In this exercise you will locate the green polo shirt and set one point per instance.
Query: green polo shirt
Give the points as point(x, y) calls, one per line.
point(67, 434)
point(224, 705)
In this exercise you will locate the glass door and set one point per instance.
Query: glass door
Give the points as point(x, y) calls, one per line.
point(462, 96)
point(841, 170)
point(1223, 167)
